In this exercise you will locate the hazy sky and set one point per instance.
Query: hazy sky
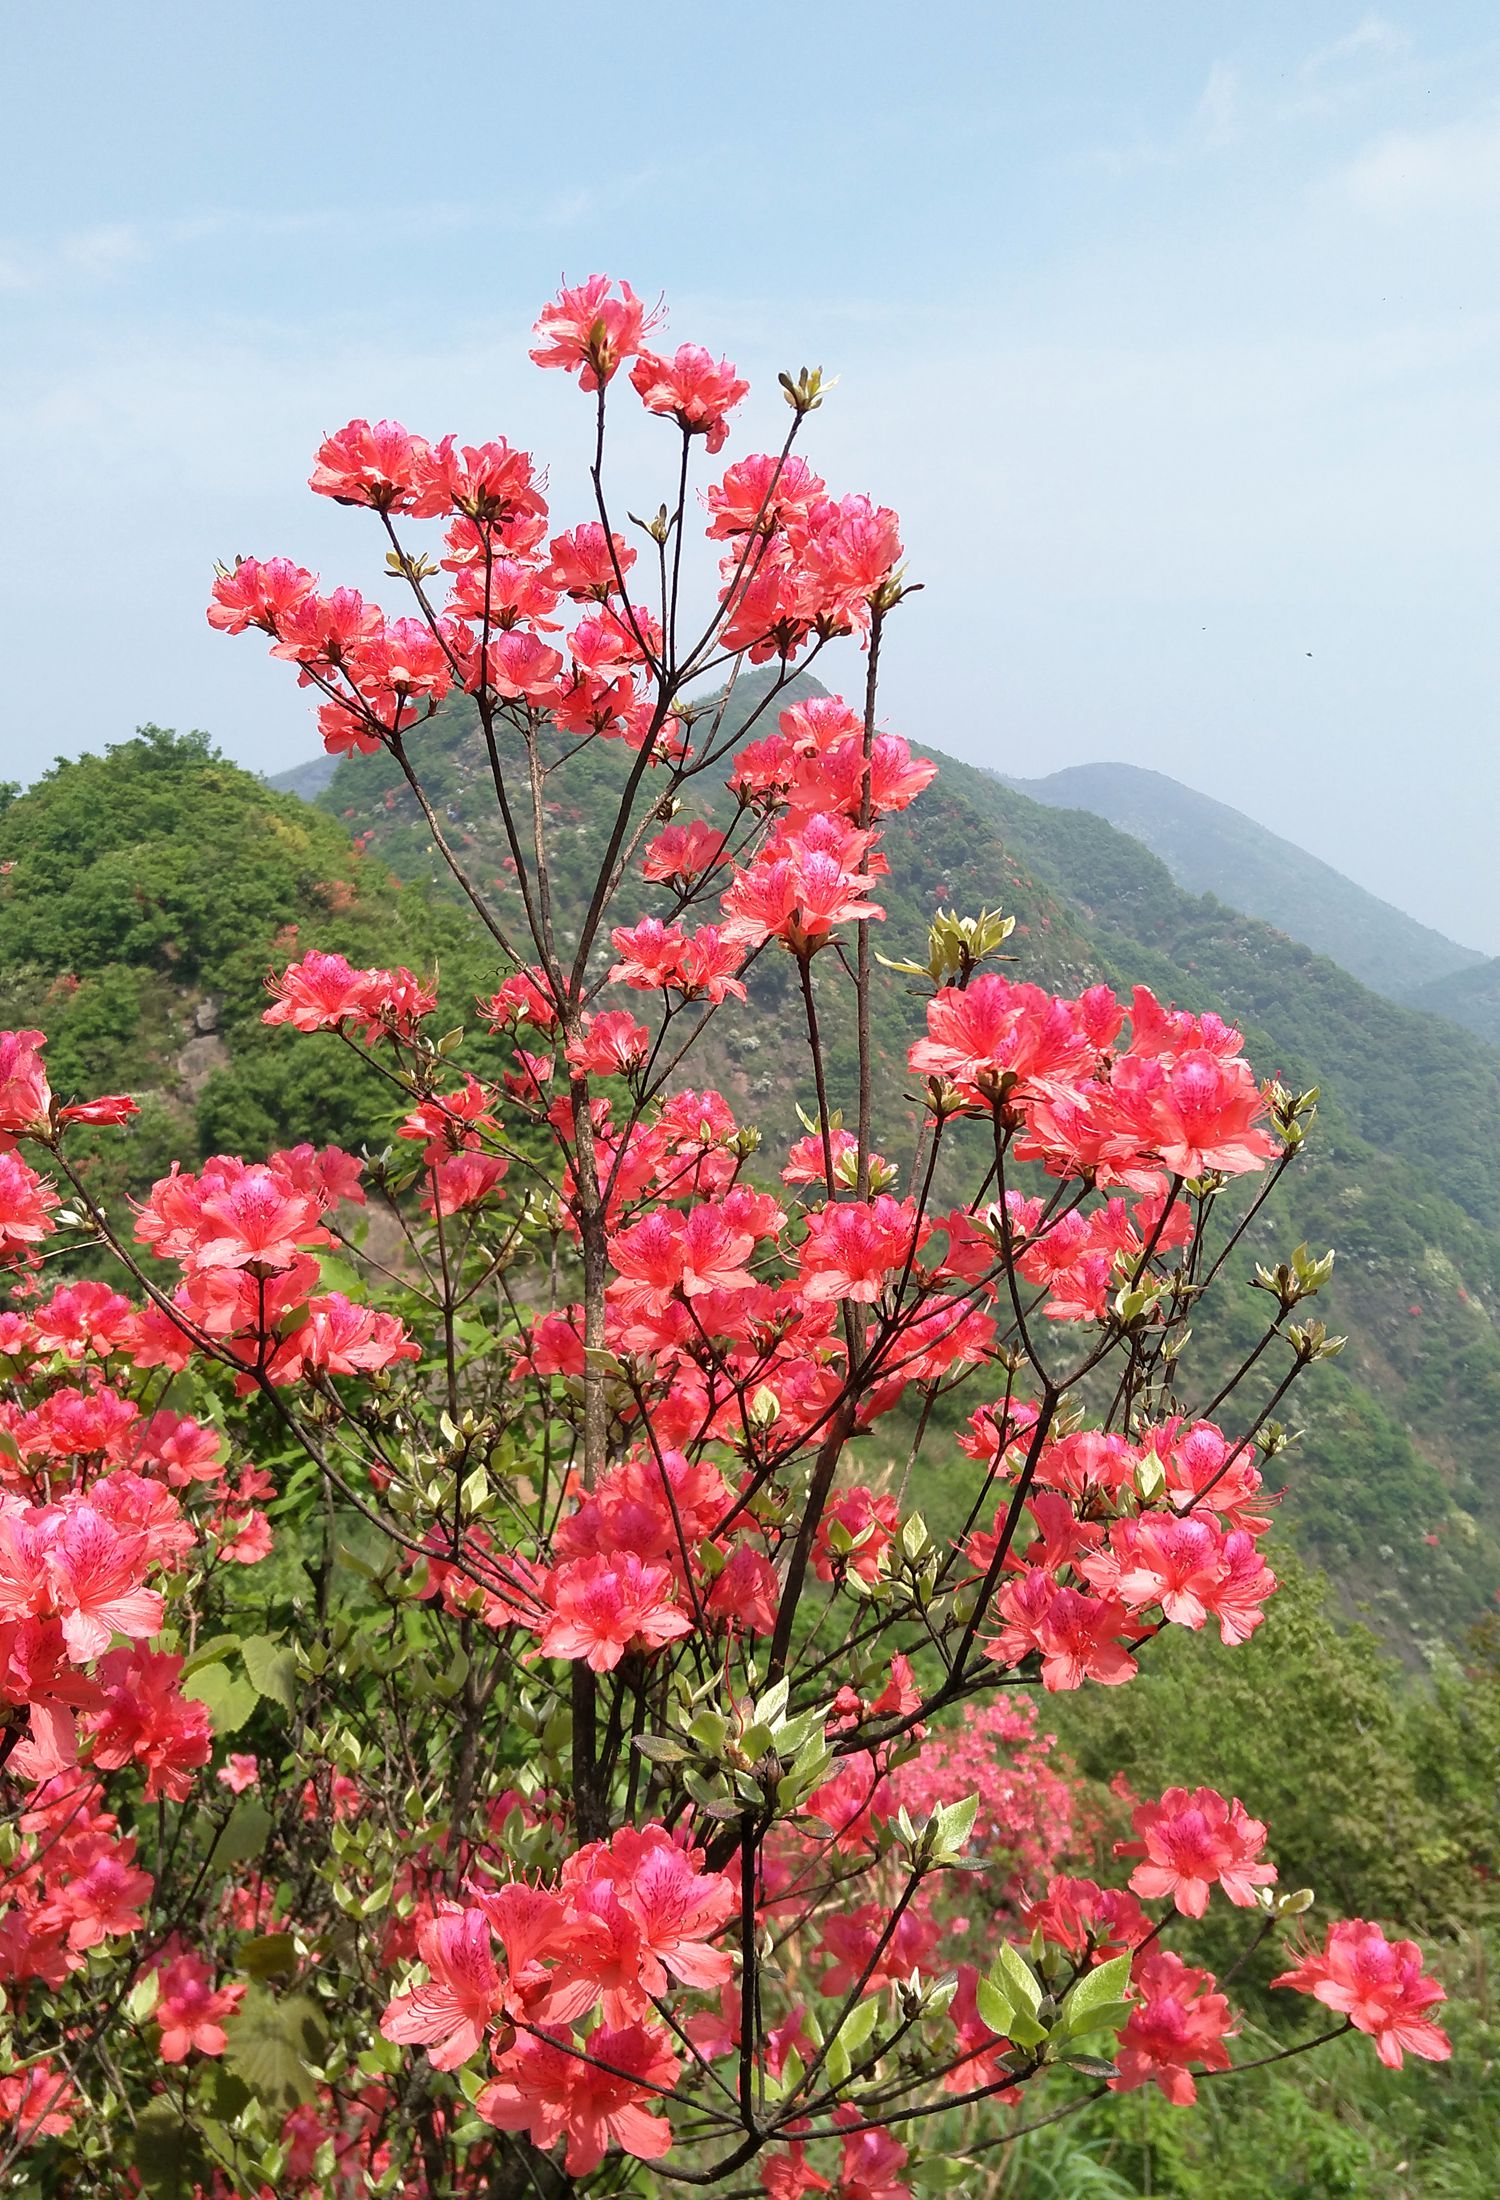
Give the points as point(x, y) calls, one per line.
point(1172, 331)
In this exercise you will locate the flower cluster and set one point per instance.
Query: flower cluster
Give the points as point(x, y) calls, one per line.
point(1379, 1985)
point(109, 1499)
point(612, 1725)
point(591, 1953)
point(245, 1236)
point(1104, 1567)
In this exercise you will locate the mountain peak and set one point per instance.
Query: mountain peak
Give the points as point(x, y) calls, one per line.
point(1210, 848)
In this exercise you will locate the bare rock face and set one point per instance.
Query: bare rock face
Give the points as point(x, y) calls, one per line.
point(197, 1059)
point(206, 1014)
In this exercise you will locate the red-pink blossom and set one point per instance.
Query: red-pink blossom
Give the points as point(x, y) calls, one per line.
point(853, 1248)
point(1379, 1985)
point(1178, 2020)
point(449, 2016)
point(544, 2089)
point(268, 595)
point(1191, 1843)
point(691, 389)
point(189, 2008)
point(762, 494)
point(587, 331)
point(384, 467)
point(602, 1608)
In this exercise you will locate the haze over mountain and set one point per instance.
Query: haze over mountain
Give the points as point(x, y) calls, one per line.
point(1470, 997)
point(307, 780)
point(1210, 848)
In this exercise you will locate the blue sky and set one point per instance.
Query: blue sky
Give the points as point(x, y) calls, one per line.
point(1172, 331)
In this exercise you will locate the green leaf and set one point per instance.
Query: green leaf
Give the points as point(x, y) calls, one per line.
point(717, 1806)
point(993, 2007)
point(662, 1749)
point(227, 2094)
point(1017, 1983)
point(245, 1832)
point(1097, 1992)
point(1013, 1974)
point(339, 1275)
point(955, 1822)
point(1025, 2030)
point(167, 2152)
point(272, 1667)
point(859, 2024)
point(772, 1705)
point(296, 1487)
point(271, 2043)
point(344, 1555)
point(1092, 2066)
point(1110, 2016)
point(210, 1652)
point(939, 2173)
point(267, 1954)
point(793, 1736)
point(230, 1698)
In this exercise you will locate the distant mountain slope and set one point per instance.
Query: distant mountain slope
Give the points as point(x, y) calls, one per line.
point(307, 780)
point(143, 894)
point(1210, 848)
point(1470, 997)
point(1402, 1441)
point(1402, 1180)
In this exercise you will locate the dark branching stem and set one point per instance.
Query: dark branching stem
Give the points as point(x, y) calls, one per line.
point(862, 931)
point(807, 1528)
point(820, 1079)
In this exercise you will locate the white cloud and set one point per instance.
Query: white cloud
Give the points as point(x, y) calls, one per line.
point(106, 251)
point(1216, 116)
point(1213, 124)
point(1372, 37)
point(1366, 64)
point(1454, 169)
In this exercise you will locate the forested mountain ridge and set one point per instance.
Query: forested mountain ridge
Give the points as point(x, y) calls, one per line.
point(144, 894)
point(1209, 847)
point(150, 889)
point(1403, 1443)
point(1470, 997)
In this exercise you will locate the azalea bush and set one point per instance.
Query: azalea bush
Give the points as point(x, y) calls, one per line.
point(485, 1713)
